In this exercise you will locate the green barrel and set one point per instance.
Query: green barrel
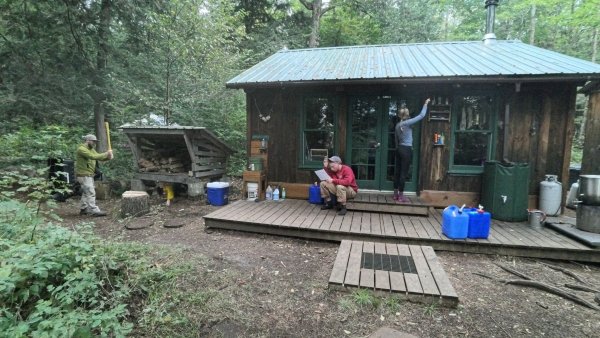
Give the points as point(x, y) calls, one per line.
point(505, 190)
point(256, 163)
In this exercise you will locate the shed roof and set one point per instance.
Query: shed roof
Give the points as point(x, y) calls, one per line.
point(178, 130)
point(418, 62)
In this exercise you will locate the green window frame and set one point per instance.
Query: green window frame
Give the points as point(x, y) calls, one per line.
point(318, 132)
point(474, 121)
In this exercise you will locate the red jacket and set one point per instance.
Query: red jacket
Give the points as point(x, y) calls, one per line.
point(345, 177)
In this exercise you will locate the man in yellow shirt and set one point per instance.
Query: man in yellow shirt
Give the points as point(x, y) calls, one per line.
point(86, 157)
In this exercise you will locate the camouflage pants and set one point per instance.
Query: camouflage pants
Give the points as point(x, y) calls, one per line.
point(343, 193)
point(88, 194)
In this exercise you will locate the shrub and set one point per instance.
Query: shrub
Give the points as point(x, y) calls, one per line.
point(61, 282)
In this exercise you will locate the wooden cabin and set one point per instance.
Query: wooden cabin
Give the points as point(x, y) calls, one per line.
point(491, 100)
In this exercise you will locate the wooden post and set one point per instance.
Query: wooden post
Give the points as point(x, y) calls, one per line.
point(590, 164)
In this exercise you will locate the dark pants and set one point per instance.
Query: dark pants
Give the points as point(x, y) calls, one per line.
point(402, 159)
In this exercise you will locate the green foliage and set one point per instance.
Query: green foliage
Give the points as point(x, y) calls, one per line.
point(39, 144)
point(68, 283)
point(59, 282)
point(431, 309)
point(32, 186)
point(365, 298)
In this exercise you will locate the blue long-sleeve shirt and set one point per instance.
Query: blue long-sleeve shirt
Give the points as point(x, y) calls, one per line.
point(403, 130)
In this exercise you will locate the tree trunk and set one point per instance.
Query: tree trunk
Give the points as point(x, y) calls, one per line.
point(313, 41)
point(532, 25)
point(134, 203)
point(98, 82)
point(595, 45)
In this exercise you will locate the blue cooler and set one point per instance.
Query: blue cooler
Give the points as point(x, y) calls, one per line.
point(217, 193)
point(479, 223)
point(455, 222)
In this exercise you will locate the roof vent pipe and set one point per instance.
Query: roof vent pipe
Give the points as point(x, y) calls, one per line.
point(489, 36)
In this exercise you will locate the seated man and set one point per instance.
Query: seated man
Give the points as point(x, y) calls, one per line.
point(342, 184)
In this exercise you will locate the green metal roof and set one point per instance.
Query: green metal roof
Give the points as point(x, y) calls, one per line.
point(420, 62)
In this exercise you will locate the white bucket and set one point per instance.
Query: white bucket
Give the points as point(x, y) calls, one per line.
point(252, 191)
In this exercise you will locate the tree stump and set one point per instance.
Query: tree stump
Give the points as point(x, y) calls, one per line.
point(135, 203)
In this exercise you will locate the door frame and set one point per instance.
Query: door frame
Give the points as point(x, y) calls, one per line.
point(383, 153)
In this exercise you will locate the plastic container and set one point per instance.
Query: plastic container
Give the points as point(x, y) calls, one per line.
point(314, 194)
point(269, 193)
point(252, 189)
point(276, 194)
point(505, 190)
point(256, 163)
point(455, 223)
point(217, 193)
point(479, 223)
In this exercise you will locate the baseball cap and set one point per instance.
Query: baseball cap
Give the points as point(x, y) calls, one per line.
point(335, 159)
point(90, 137)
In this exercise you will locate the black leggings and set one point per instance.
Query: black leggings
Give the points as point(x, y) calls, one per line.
point(402, 161)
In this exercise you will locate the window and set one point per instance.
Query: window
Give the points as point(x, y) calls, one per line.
point(473, 128)
point(318, 130)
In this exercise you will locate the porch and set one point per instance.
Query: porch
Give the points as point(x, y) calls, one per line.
point(298, 218)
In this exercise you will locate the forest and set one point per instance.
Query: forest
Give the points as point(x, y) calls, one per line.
point(69, 66)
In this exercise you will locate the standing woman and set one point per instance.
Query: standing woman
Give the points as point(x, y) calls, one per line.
point(404, 141)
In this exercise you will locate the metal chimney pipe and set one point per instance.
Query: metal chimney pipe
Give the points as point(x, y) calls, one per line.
point(489, 36)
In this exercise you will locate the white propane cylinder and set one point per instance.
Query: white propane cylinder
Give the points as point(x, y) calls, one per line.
point(550, 195)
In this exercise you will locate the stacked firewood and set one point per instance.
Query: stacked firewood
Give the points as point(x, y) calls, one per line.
point(156, 163)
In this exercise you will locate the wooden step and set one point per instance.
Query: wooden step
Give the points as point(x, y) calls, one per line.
point(385, 206)
point(411, 271)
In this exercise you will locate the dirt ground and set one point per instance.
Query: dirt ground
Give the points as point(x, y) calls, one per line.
point(278, 285)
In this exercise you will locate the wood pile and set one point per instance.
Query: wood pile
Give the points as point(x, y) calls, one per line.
point(157, 163)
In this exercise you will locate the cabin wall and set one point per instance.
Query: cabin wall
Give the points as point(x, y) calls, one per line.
point(540, 129)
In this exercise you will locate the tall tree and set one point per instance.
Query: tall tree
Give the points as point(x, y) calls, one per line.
point(318, 8)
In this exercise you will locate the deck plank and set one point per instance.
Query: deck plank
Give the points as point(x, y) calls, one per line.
point(387, 225)
point(301, 211)
point(425, 276)
point(367, 276)
point(399, 226)
point(365, 224)
point(347, 222)
point(510, 238)
point(382, 277)
point(356, 222)
point(341, 263)
point(441, 279)
point(353, 272)
point(376, 224)
point(291, 207)
point(396, 278)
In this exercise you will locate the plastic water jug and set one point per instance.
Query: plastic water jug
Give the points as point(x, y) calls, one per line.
point(276, 194)
point(479, 223)
point(455, 222)
point(269, 193)
point(314, 194)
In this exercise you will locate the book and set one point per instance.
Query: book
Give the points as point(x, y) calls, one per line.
point(322, 174)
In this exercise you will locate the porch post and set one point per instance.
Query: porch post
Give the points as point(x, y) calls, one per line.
point(590, 163)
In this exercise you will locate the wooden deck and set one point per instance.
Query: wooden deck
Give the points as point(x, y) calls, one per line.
point(298, 218)
point(412, 271)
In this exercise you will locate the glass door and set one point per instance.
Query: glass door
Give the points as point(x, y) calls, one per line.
point(371, 142)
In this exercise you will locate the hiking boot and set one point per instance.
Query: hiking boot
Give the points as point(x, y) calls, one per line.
point(82, 212)
point(342, 211)
point(327, 205)
point(98, 213)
